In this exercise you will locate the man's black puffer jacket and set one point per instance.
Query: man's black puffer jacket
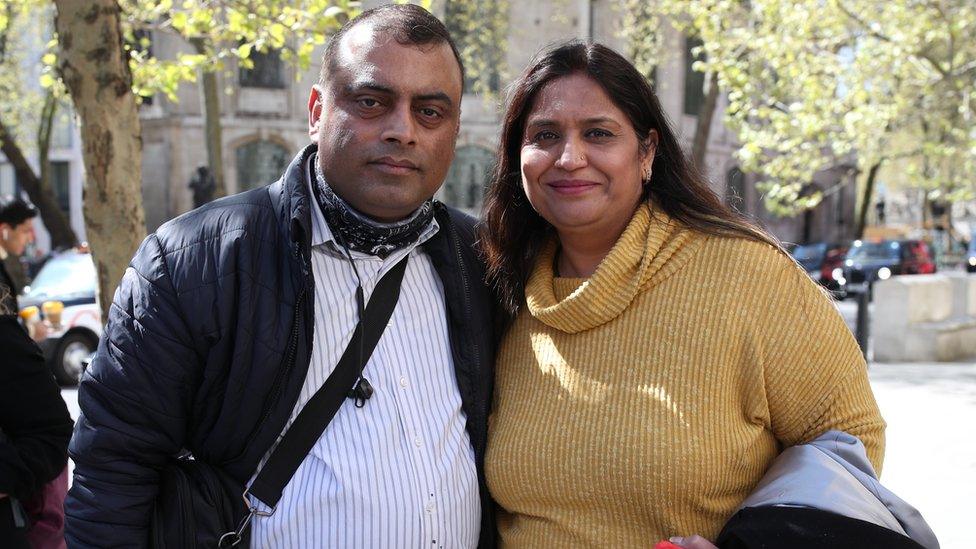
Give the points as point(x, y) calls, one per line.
point(208, 342)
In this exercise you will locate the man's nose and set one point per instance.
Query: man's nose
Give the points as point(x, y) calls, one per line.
point(401, 127)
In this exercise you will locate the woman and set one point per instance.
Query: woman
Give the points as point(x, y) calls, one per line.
point(34, 431)
point(662, 350)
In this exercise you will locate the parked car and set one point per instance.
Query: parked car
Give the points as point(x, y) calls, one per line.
point(971, 254)
point(68, 278)
point(868, 262)
point(820, 259)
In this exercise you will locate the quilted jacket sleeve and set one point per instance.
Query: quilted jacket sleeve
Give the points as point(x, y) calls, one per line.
point(134, 402)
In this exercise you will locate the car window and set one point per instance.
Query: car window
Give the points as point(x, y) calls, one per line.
point(888, 250)
point(810, 252)
point(69, 274)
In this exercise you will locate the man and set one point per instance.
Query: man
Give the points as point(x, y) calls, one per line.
point(232, 316)
point(16, 231)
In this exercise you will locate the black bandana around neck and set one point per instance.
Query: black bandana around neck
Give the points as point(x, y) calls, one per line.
point(361, 233)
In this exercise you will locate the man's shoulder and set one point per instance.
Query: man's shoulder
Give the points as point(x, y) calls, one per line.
point(249, 213)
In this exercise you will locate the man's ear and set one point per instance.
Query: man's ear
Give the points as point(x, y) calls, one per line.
point(314, 113)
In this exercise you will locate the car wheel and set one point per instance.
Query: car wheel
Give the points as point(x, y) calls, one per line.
point(67, 362)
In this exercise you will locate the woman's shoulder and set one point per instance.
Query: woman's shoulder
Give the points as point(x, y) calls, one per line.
point(749, 258)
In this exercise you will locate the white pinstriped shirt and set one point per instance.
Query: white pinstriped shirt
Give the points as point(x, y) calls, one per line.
point(399, 472)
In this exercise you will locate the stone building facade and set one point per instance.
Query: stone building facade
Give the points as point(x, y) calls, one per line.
point(264, 121)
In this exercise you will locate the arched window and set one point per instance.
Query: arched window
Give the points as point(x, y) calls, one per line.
point(735, 189)
point(259, 163)
point(465, 183)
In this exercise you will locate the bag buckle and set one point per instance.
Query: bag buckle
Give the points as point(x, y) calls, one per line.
point(233, 539)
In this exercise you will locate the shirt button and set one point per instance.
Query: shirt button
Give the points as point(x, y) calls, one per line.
point(417, 442)
point(403, 382)
point(429, 508)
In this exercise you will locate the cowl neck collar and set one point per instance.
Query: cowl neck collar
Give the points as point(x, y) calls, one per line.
point(652, 247)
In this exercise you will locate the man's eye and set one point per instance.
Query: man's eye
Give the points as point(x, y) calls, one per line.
point(368, 102)
point(431, 113)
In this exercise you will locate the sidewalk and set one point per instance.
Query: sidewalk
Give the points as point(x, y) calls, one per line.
point(930, 458)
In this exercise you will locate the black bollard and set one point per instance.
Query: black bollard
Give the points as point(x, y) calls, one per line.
point(862, 330)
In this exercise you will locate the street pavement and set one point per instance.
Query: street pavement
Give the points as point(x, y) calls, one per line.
point(930, 459)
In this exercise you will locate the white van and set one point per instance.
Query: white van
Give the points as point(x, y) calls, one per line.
point(70, 278)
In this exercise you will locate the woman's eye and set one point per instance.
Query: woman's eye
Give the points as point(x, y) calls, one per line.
point(599, 133)
point(545, 135)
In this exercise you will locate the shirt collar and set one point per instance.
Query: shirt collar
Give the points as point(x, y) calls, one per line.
point(322, 235)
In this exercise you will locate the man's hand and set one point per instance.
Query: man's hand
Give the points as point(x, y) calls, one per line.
point(690, 542)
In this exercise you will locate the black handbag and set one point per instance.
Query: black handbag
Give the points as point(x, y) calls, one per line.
point(773, 527)
point(200, 505)
point(196, 505)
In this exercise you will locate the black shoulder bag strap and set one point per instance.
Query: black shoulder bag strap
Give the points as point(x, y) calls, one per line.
point(322, 407)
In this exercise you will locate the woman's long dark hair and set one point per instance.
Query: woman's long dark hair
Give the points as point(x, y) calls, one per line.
point(514, 233)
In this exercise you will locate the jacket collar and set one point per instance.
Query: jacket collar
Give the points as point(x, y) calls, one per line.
point(296, 197)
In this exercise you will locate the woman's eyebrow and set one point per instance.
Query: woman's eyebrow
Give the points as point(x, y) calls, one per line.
point(541, 122)
point(596, 120)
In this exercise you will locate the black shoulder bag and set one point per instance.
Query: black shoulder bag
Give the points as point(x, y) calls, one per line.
point(199, 505)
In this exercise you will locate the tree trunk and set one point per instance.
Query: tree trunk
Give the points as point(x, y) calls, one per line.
point(95, 70)
point(214, 130)
point(862, 214)
point(62, 235)
point(704, 126)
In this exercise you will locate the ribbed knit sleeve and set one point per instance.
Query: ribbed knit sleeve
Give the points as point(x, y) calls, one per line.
point(816, 378)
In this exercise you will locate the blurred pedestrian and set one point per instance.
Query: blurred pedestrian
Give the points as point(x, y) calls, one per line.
point(16, 231)
point(34, 431)
point(662, 350)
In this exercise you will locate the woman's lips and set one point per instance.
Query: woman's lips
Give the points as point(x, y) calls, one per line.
point(572, 186)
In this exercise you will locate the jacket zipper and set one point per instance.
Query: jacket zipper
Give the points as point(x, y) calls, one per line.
point(292, 348)
point(467, 311)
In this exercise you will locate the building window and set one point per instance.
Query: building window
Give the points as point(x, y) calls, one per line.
point(694, 80)
point(267, 71)
point(735, 189)
point(141, 47)
point(466, 180)
point(458, 17)
point(61, 134)
point(61, 183)
point(8, 180)
point(260, 163)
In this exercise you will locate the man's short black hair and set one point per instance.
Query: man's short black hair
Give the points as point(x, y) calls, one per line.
point(14, 211)
point(408, 24)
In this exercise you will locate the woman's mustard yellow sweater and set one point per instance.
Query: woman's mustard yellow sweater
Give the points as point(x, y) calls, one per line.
point(648, 400)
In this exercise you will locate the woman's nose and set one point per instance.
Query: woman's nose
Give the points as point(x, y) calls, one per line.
point(572, 157)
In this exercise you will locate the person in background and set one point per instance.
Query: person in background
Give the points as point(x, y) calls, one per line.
point(662, 351)
point(16, 232)
point(34, 431)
